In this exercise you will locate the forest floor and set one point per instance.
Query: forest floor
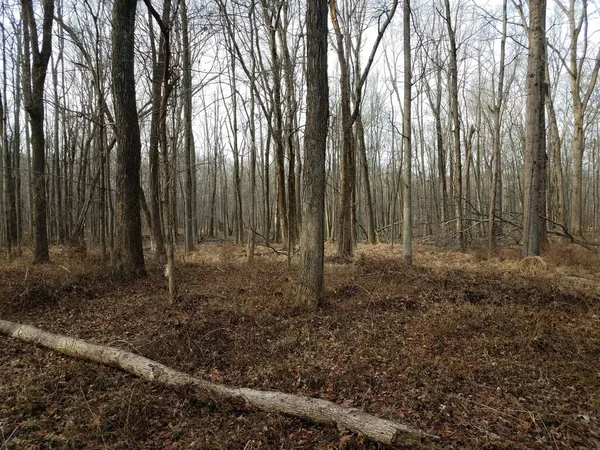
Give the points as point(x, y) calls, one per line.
point(486, 352)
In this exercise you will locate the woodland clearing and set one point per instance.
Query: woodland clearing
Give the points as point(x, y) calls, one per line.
point(486, 351)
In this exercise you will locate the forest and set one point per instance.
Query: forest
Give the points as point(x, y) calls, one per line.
point(300, 224)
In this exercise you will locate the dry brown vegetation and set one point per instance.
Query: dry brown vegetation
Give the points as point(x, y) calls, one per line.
point(487, 351)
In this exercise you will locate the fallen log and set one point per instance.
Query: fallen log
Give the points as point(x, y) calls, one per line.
point(313, 409)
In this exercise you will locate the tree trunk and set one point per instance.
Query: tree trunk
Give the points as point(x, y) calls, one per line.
point(291, 106)
point(168, 169)
point(128, 249)
point(495, 205)
point(237, 182)
point(455, 118)
point(348, 172)
point(272, 21)
point(311, 285)
point(16, 153)
point(188, 142)
point(10, 198)
point(156, 230)
point(435, 103)
point(253, 154)
point(34, 76)
point(362, 150)
point(535, 140)
point(407, 251)
point(556, 145)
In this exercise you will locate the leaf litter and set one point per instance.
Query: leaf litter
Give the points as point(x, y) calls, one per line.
point(483, 350)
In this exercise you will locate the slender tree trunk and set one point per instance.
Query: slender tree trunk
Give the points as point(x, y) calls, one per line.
point(466, 178)
point(267, 188)
point(10, 197)
point(362, 150)
point(407, 251)
point(237, 182)
point(272, 21)
point(57, 185)
point(253, 155)
point(348, 172)
point(291, 106)
point(455, 118)
point(157, 234)
point(168, 170)
point(34, 76)
point(555, 146)
point(17, 146)
point(495, 206)
point(188, 141)
point(435, 103)
point(535, 147)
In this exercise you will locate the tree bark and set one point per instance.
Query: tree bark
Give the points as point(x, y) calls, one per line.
point(188, 143)
point(168, 169)
point(291, 107)
point(129, 250)
point(349, 115)
point(495, 205)
point(311, 286)
point(10, 197)
point(455, 118)
point(535, 139)
point(156, 229)
point(555, 145)
point(34, 76)
point(253, 153)
point(348, 178)
point(272, 20)
point(362, 150)
point(407, 237)
point(233, 114)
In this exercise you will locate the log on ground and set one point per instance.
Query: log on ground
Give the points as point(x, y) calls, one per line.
point(316, 410)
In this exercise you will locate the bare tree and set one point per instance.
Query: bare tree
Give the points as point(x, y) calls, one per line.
point(188, 144)
point(10, 196)
point(406, 144)
point(495, 206)
point(168, 208)
point(455, 118)
point(34, 75)
point(350, 114)
point(535, 139)
point(128, 250)
point(311, 286)
point(580, 96)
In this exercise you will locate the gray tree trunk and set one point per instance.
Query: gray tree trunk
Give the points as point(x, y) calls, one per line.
point(407, 237)
point(128, 249)
point(455, 118)
point(495, 205)
point(188, 141)
point(34, 76)
point(535, 138)
point(311, 285)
